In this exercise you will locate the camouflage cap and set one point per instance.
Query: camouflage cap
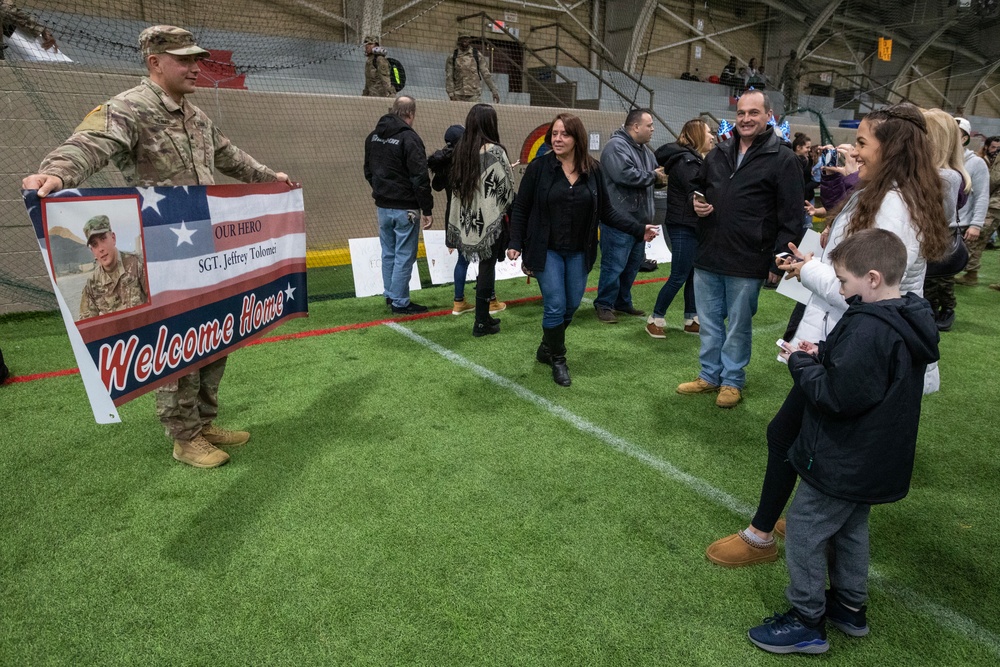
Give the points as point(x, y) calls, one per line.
point(371, 39)
point(169, 39)
point(99, 224)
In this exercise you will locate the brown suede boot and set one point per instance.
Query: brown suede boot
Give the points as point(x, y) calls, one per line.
point(221, 437)
point(199, 453)
point(739, 551)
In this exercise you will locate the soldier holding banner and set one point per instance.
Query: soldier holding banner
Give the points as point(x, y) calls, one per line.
point(156, 137)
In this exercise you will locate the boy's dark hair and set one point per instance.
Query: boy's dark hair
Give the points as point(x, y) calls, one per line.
point(872, 249)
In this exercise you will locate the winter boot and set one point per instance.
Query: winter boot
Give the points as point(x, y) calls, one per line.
point(556, 340)
point(485, 325)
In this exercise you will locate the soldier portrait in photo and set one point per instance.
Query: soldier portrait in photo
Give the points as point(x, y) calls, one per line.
point(118, 281)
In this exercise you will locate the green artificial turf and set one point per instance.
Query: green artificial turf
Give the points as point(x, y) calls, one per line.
point(393, 507)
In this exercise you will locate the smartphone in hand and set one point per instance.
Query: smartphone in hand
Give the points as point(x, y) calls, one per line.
point(788, 257)
point(699, 197)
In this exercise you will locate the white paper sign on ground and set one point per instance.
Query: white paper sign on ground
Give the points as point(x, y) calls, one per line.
point(793, 289)
point(657, 249)
point(366, 264)
point(23, 46)
point(441, 262)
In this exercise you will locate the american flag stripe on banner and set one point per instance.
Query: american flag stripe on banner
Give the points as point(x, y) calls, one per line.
point(223, 265)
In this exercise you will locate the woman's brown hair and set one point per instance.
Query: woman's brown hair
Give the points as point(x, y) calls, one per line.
point(582, 161)
point(693, 136)
point(905, 164)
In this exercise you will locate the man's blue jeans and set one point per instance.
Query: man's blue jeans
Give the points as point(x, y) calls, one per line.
point(562, 284)
point(399, 233)
point(725, 351)
point(621, 256)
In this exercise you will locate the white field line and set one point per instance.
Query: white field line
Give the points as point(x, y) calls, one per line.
point(943, 616)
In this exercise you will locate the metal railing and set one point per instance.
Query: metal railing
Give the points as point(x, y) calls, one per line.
point(557, 49)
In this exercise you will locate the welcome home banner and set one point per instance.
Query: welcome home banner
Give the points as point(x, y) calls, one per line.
point(155, 282)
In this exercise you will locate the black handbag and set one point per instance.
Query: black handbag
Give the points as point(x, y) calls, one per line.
point(954, 260)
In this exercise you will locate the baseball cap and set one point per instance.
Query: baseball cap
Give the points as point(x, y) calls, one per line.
point(453, 134)
point(371, 39)
point(964, 125)
point(169, 39)
point(99, 224)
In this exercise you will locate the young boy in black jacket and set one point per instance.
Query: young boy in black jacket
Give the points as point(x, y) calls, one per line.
point(863, 387)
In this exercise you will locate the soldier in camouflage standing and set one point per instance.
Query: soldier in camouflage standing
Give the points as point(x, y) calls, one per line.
point(156, 137)
point(12, 18)
point(377, 78)
point(463, 71)
point(119, 279)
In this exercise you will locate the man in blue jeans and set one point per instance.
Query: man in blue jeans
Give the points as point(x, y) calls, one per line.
point(751, 210)
point(630, 173)
point(396, 169)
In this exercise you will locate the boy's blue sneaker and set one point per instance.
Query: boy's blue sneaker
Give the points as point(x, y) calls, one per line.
point(846, 620)
point(787, 633)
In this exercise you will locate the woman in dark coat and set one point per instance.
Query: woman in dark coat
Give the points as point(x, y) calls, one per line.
point(681, 161)
point(554, 231)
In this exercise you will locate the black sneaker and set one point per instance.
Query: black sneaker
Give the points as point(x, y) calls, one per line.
point(409, 309)
point(788, 633)
point(846, 620)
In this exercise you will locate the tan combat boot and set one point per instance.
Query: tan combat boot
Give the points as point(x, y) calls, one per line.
point(221, 437)
point(199, 453)
point(970, 279)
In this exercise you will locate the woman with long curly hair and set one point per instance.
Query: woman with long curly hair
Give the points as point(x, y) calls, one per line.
point(482, 185)
point(900, 191)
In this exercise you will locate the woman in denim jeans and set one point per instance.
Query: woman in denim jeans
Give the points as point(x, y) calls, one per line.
point(682, 161)
point(554, 231)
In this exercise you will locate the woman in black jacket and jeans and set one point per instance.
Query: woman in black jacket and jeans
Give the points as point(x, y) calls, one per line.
point(554, 231)
point(682, 162)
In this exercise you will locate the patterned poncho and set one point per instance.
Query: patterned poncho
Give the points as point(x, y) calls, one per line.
point(474, 228)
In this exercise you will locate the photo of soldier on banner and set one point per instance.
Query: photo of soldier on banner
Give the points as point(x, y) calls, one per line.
point(97, 254)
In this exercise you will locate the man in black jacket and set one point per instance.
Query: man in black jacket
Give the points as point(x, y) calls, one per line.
point(752, 209)
point(396, 168)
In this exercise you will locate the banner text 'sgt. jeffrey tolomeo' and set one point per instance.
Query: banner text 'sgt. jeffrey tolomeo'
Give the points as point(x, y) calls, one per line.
point(155, 282)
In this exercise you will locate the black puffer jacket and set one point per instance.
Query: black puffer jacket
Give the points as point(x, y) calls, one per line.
point(532, 215)
point(758, 207)
point(396, 167)
point(682, 164)
point(863, 394)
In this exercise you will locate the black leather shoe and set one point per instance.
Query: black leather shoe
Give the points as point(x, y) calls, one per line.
point(945, 319)
point(560, 372)
point(544, 354)
point(409, 309)
point(480, 329)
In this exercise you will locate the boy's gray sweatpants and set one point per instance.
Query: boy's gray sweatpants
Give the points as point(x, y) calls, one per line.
point(815, 522)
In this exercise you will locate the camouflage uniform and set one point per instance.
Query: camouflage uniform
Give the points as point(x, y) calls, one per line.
point(377, 79)
point(154, 140)
point(977, 247)
point(122, 288)
point(462, 81)
point(12, 18)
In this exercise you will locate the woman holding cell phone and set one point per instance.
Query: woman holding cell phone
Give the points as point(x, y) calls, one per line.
point(681, 161)
point(899, 190)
